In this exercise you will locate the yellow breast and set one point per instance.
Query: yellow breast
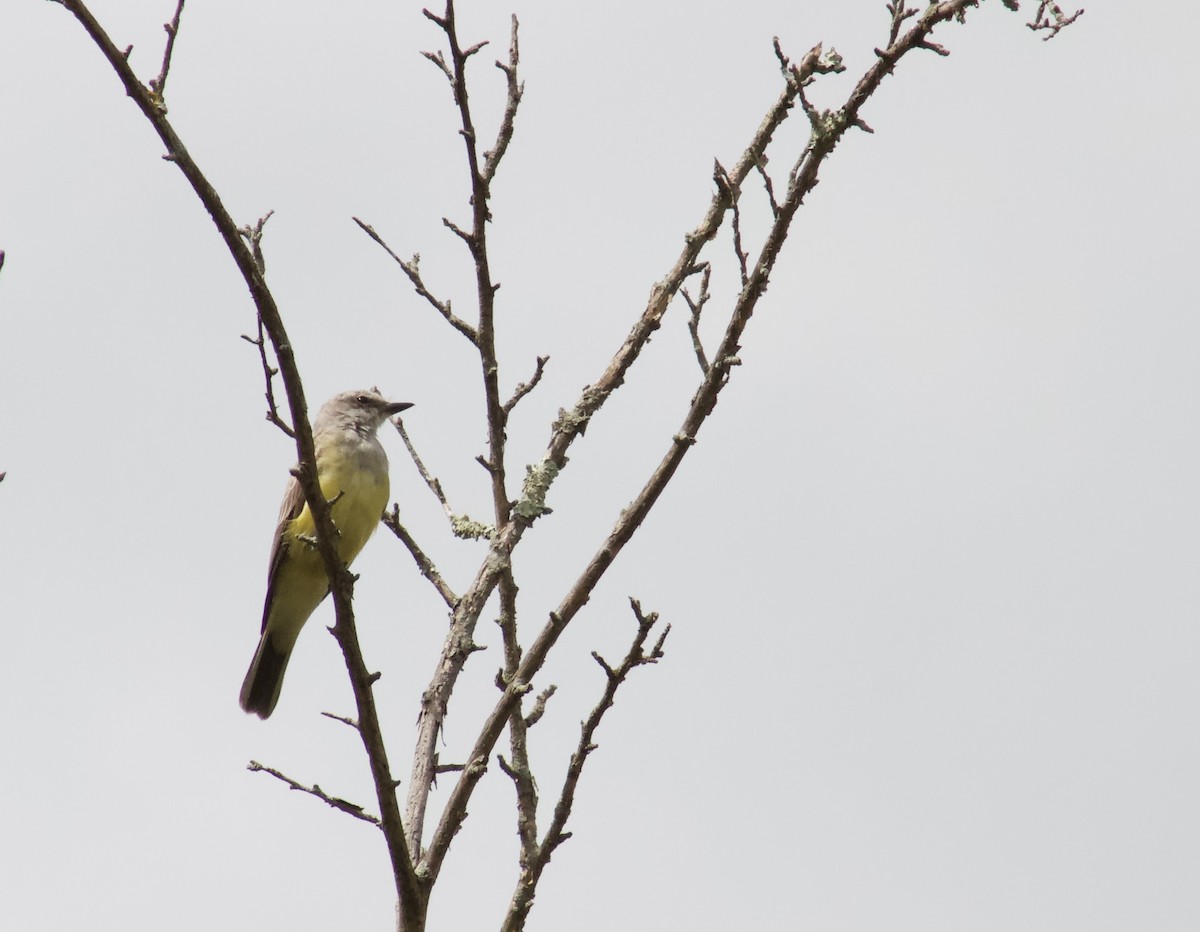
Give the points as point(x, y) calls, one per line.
point(359, 492)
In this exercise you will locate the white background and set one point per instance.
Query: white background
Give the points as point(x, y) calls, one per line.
point(931, 569)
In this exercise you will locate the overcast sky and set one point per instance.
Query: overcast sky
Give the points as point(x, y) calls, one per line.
point(931, 569)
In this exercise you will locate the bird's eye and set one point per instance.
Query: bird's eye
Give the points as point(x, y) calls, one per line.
point(362, 399)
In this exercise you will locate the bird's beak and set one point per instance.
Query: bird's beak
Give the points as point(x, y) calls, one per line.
point(395, 407)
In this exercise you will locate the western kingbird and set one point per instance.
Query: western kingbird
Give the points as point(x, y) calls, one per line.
point(353, 472)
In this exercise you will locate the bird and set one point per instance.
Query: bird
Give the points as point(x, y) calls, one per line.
point(352, 469)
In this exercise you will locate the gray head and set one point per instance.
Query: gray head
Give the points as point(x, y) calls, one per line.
point(362, 411)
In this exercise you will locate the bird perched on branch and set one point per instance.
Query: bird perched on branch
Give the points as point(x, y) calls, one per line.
point(352, 469)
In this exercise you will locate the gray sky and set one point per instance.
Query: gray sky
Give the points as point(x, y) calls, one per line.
point(931, 569)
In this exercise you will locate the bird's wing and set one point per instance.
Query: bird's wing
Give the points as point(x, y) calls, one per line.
point(293, 504)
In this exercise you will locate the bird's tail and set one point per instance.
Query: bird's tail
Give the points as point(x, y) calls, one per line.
point(264, 679)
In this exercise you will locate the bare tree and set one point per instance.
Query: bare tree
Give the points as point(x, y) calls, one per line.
point(417, 840)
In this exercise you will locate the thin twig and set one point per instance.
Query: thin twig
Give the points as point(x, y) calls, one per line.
point(431, 481)
point(344, 719)
point(539, 706)
point(524, 388)
point(761, 168)
point(438, 59)
point(696, 306)
point(341, 805)
point(424, 564)
point(476, 239)
point(462, 526)
point(1061, 21)
point(492, 157)
point(412, 270)
point(519, 771)
point(533, 864)
point(900, 13)
point(253, 236)
point(159, 85)
point(721, 177)
point(269, 373)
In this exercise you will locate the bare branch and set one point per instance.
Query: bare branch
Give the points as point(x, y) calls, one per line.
point(506, 768)
point(412, 270)
point(345, 720)
point(424, 563)
point(524, 388)
point(934, 47)
point(785, 63)
point(899, 13)
point(827, 132)
point(434, 485)
point(461, 525)
point(269, 373)
point(476, 239)
point(696, 306)
point(468, 52)
point(519, 771)
point(566, 429)
point(761, 168)
point(491, 158)
point(723, 180)
point(439, 59)
point(539, 706)
point(253, 236)
point(608, 671)
point(404, 838)
point(1041, 19)
point(468, 238)
point(535, 863)
point(352, 809)
point(411, 890)
point(158, 86)
point(466, 614)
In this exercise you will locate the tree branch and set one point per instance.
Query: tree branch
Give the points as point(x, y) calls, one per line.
point(566, 429)
point(524, 388)
point(827, 131)
point(341, 805)
point(519, 771)
point(462, 526)
point(491, 158)
point(533, 864)
point(1041, 19)
point(269, 373)
point(476, 239)
point(414, 870)
point(253, 236)
point(696, 306)
point(424, 563)
point(158, 86)
point(721, 178)
point(410, 891)
point(436, 697)
point(413, 271)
